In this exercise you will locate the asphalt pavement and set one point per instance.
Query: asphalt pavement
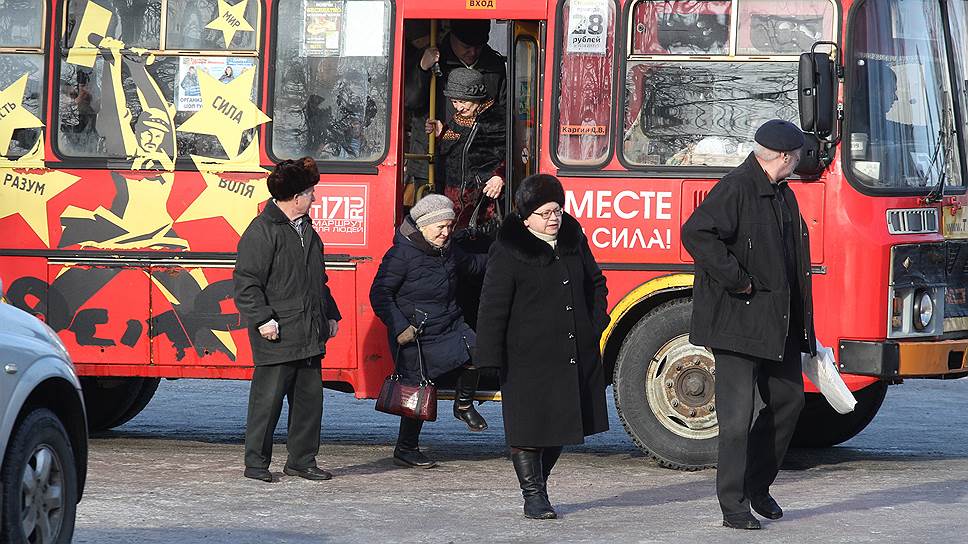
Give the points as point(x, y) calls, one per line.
point(174, 475)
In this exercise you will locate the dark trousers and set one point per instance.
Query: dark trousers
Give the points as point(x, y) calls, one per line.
point(749, 458)
point(300, 382)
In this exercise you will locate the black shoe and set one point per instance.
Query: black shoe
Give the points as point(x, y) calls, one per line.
point(471, 417)
point(766, 506)
point(741, 521)
point(311, 473)
point(527, 465)
point(464, 410)
point(258, 474)
point(412, 459)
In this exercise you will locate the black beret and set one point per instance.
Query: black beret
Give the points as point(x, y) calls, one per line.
point(779, 135)
point(536, 191)
point(473, 32)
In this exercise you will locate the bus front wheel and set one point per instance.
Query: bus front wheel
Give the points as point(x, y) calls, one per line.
point(821, 426)
point(665, 390)
point(111, 402)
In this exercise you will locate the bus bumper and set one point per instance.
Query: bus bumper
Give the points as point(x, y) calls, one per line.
point(891, 359)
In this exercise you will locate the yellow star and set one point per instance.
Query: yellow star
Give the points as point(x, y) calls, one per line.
point(231, 19)
point(13, 115)
point(236, 201)
point(27, 194)
point(247, 161)
point(227, 110)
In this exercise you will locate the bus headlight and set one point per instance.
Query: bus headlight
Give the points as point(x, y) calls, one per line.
point(923, 310)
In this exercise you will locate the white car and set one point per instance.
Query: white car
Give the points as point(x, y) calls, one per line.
point(43, 432)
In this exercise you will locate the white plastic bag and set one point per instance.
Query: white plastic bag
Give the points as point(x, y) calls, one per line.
point(822, 371)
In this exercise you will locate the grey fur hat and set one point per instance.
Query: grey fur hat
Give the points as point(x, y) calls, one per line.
point(432, 209)
point(465, 84)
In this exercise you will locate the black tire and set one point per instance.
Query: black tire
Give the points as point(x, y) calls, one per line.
point(820, 426)
point(109, 399)
point(39, 434)
point(144, 396)
point(693, 444)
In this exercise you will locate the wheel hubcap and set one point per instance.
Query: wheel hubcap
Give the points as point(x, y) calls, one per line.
point(41, 493)
point(680, 387)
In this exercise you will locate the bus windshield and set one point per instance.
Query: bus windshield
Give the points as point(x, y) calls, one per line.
point(900, 116)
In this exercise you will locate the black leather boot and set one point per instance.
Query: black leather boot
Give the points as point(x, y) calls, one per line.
point(464, 402)
point(407, 453)
point(527, 465)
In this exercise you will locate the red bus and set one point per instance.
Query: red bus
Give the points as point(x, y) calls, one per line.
point(135, 136)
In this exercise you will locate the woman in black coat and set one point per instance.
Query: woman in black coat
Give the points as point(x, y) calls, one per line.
point(416, 288)
point(542, 313)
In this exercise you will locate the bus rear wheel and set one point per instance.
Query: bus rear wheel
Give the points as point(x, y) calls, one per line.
point(111, 402)
point(821, 426)
point(665, 390)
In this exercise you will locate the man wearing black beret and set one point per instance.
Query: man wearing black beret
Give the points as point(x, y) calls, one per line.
point(752, 306)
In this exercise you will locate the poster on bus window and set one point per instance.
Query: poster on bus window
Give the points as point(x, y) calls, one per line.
point(322, 22)
point(587, 26)
point(224, 69)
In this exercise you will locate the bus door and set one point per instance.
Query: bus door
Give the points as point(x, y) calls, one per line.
point(524, 47)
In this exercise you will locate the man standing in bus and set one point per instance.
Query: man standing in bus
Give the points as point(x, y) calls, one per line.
point(465, 46)
point(752, 306)
point(281, 290)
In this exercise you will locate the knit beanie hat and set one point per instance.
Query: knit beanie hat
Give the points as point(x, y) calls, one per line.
point(291, 177)
point(536, 191)
point(432, 209)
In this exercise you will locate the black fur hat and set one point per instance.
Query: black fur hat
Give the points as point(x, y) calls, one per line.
point(289, 178)
point(536, 191)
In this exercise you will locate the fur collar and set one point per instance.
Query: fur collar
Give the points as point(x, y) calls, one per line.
point(527, 248)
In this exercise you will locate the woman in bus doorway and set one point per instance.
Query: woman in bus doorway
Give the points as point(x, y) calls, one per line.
point(471, 146)
point(415, 292)
point(542, 312)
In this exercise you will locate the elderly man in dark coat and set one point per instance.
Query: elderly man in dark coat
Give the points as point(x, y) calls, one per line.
point(543, 311)
point(415, 291)
point(282, 293)
point(753, 306)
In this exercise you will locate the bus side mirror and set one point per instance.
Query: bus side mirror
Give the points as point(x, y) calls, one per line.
point(817, 93)
point(813, 157)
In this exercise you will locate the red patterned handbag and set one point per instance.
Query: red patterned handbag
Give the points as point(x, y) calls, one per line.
point(416, 401)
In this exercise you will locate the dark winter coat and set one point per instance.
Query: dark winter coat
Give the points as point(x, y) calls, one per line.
point(490, 64)
point(416, 281)
point(542, 314)
point(736, 239)
point(278, 276)
point(472, 150)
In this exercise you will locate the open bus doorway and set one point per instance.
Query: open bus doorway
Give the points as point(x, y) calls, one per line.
point(508, 60)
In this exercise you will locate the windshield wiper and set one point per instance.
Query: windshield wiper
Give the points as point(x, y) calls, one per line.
point(944, 144)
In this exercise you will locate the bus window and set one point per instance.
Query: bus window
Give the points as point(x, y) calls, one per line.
point(685, 110)
point(332, 80)
point(585, 86)
point(767, 27)
point(681, 28)
point(117, 101)
point(22, 23)
point(899, 109)
point(189, 25)
point(958, 20)
point(137, 23)
point(21, 30)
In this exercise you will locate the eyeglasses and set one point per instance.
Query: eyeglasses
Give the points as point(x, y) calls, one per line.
point(546, 215)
